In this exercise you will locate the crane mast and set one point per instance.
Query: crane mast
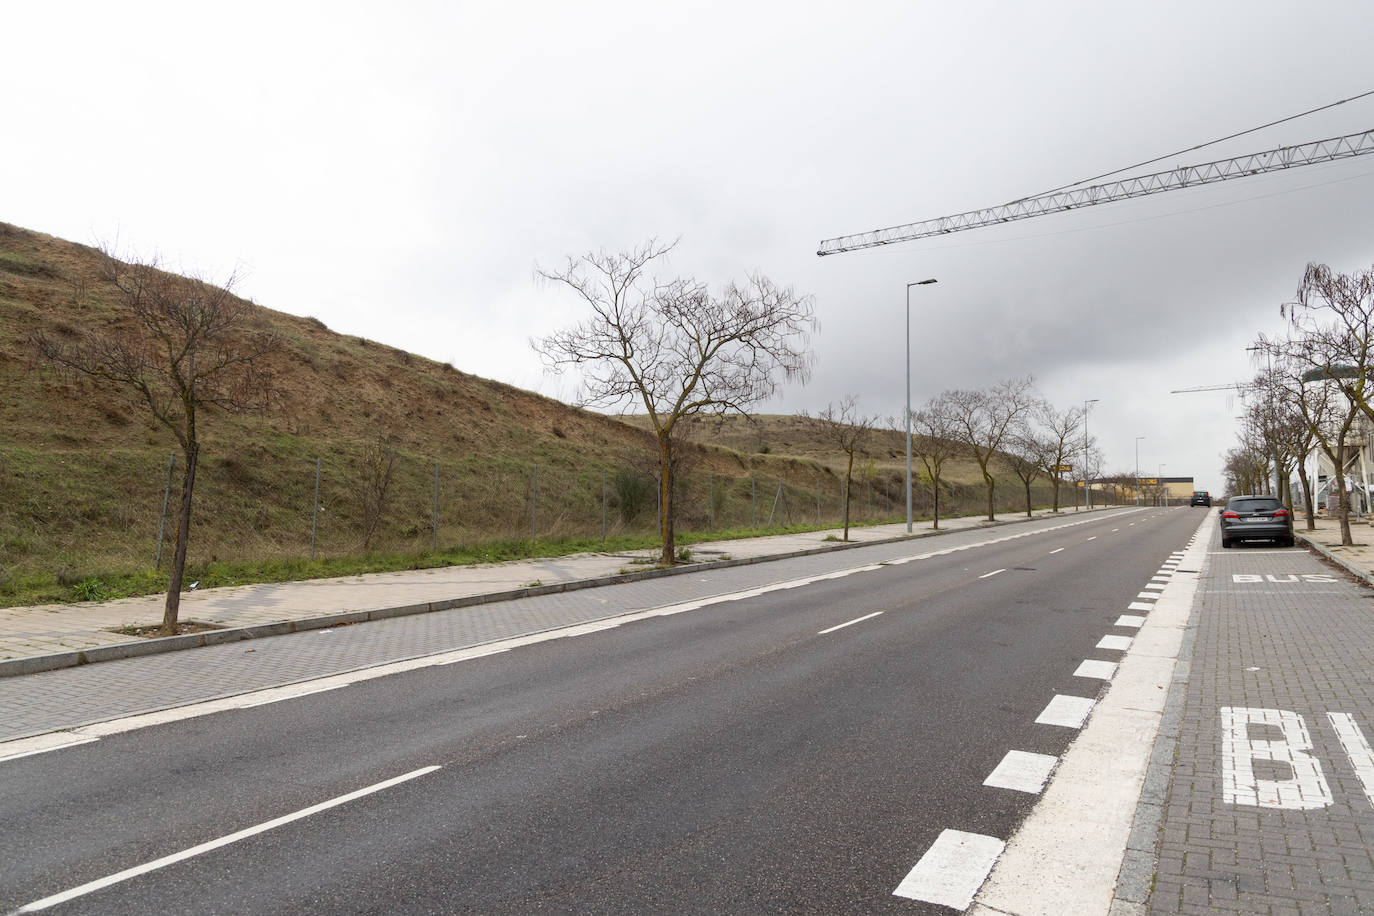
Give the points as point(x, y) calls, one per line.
point(1284, 157)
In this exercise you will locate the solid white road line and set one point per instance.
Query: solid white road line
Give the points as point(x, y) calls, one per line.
point(993, 573)
point(952, 870)
point(1130, 620)
point(850, 623)
point(1116, 643)
point(137, 870)
point(58, 741)
point(1098, 669)
point(1022, 771)
point(1066, 711)
point(290, 693)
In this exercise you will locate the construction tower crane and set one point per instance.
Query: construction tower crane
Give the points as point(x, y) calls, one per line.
point(1235, 386)
point(1284, 157)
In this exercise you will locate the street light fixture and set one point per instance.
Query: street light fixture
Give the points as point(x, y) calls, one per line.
point(1137, 469)
point(908, 396)
point(1087, 484)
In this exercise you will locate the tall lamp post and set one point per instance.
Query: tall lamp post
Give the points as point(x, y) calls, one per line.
point(1087, 484)
point(908, 396)
point(1163, 491)
point(1137, 469)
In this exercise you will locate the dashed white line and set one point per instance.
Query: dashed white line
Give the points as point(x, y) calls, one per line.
point(850, 623)
point(1148, 596)
point(1130, 620)
point(952, 870)
point(1056, 550)
point(1022, 771)
point(1098, 669)
point(1066, 711)
point(1157, 586)
point(993, 573)
point(1116, 643)
point(1093, 538)
point(1139, 606)
point(143, 869)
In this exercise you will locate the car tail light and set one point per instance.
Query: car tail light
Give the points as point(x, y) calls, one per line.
point(1281, 513)
point(1230, 515)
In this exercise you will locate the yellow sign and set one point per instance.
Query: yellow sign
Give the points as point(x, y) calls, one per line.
point(1063, 469)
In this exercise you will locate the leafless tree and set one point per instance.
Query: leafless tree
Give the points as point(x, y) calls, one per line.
point(986, 418)
point(181, 345)
point(935, 441)
point(848, 430)
point(375, 469)
point(675, 347)
point(1060, 431)
point(1331, 327)
point(1028, 454)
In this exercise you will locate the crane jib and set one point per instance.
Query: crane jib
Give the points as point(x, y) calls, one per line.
point(1284, 157)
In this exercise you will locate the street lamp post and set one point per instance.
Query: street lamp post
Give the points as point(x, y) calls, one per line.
point(908, 396)
point(1163, 491)
point(1087, 484)
point(1137, 469)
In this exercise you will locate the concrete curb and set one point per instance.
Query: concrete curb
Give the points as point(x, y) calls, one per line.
point(1363, 575)
point(39, 663)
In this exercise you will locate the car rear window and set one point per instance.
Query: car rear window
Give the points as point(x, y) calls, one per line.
point(1254, 504)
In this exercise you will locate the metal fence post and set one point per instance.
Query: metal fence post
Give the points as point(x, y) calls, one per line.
point(818, 500)
point(435, 543)
point(315, 510)
point(711, 500)
point(753, 503)
point(534, 503)
point(603, 504)
point(162, 522)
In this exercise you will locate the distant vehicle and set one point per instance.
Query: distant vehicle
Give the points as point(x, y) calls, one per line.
point(1200, 498)
point(1255, 518)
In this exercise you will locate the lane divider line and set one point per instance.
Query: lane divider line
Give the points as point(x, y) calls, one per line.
point(851, 623)
point(1101, 670)
point(952, 870)
point(101, 883)
point(993, 573)
point(1056, 550)
point(1022, 771)
point(1066, 711)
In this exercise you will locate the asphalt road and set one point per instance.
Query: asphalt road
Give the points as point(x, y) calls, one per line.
point(735, 758)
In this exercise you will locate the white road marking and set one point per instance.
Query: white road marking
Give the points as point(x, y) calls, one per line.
point(1115, 643)
point(1066, 711)
point(262, 698)
point(1305, 789)
point(1148, 596)
point(1022, 771)
point(1056, 550)
point(1139, 606)
point(1356, 748)
point(1115, 530)
point(1093, 538)
point(993, 573)
point(58, 741)
point(1159, 578)
point(1098, 669)
point(1157, 586)
point(163, 862)
point(1130, 620)
point(952, 870)
point(850, 623)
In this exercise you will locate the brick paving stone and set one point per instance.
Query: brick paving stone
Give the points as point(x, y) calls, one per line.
point(1304, 647)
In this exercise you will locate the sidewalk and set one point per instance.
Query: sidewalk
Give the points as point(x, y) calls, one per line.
point(47, 637)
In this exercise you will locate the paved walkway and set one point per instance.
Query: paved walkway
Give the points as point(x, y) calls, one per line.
point(58, 633)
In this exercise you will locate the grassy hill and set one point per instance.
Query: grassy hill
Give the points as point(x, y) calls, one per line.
point(83, 468)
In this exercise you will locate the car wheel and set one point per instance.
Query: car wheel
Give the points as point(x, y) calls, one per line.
point(1226, 542)
point(1289, 541)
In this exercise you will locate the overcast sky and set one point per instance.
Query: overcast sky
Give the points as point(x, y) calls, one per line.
point(398, 170)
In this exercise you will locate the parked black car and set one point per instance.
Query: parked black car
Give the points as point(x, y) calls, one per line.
point(1256, 518)
point(1200, 498)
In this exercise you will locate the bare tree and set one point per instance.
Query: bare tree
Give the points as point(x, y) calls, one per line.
point(181, 346)
point(848, 430)
point(986, 418)
point(934, 443)
point(1331, 322)
point(1060, 430)
point(1027, 454)
point(675, 347)
point(375, 468)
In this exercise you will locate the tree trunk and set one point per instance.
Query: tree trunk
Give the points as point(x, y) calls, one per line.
point(987, 478)
point(188, 483)
point(665, 499)
point(1311, 510)
point(935, 499)
point(1054, 485)
point(1342, 509)
point(1028, 499)
point(848, 491)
